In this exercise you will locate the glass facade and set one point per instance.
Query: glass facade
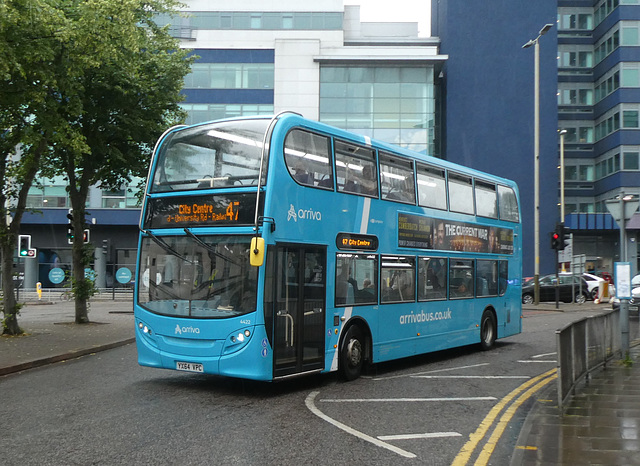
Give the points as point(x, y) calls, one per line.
point(199, 113)
point(391, 104)
point(245, 20)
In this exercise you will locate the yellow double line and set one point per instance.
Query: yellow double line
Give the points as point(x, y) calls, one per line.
point(526, 391)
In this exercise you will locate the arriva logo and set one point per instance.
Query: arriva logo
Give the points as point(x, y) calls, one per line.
point(181, 330)
point(308, 214)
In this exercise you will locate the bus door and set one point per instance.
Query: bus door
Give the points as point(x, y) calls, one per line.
point(299, 309)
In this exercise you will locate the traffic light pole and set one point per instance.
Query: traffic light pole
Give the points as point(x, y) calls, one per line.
point(557, 283)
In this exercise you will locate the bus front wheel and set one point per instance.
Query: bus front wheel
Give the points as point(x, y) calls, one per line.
point(352, 354)
point(488, 330)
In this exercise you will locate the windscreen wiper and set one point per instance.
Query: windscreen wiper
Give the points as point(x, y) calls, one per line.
point(163, 244)
point(209, 248)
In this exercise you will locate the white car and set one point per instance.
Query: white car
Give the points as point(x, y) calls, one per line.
point(593, 282)
point(633, 302)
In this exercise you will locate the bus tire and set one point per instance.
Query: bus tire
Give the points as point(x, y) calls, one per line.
point(352, 353)
point(488, 330)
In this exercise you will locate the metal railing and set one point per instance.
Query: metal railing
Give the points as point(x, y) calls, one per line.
point(56, 295)
point(584, 346)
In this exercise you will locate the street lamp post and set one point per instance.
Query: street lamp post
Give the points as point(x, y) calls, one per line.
point(536, 158)
point(562, 134)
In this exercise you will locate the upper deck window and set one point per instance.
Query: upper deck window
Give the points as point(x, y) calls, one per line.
point(308, 160)
point(460, 194)
point(432, 187)
point(508, 204)
point(486, 199)
point(396, 179)
point(356, 169)
point(216, 155)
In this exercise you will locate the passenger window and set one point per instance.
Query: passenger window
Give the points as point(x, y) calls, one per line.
point(460, 194)
point(356, 169)
point(356, 279)
point(508, 204)
point(486, 199)
point(396, 179)
point(397, 279)
point(432, 190)
point(432, 278)
point(461, 279)
point(308, 160)
point(503, 278)
point(487, 278)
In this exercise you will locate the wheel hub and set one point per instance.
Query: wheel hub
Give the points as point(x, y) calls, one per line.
point(354, 352)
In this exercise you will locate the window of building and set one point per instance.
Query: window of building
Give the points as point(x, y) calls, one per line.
point(392, 104)
point(230, 76)
point(308, 158)
point(630, 161)
point(432, 278)
point(397, 279)
point(432, 187)
point(199, 113)
point(356, 171)
point(396, 179)
point(630, 119)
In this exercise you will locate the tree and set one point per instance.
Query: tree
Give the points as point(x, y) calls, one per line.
point(87, 88)
point(30, 34)
point(128, 96)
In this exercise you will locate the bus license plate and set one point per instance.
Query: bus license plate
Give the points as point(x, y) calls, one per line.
point(189, 367)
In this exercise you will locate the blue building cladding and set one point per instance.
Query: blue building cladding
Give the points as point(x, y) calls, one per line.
point(488, 101)
point(234, 55)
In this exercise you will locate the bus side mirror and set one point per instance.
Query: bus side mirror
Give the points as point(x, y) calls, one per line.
point(257, 251)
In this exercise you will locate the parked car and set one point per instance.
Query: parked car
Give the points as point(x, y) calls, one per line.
point(634, 302)
point(594, 283)
point(567, 292)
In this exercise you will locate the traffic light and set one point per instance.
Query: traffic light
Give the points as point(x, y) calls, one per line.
point(70, 234)
point(105, 246)
point(85, 236)
point(555, 239)
point(24, 245)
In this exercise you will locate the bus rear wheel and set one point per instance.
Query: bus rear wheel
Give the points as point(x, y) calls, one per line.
point(488, 330)
point(352, 354)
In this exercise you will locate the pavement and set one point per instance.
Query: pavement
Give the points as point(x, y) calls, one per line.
point(52, 336)
point(599, 425)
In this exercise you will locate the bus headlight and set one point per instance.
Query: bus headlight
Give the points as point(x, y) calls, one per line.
point(236, 341)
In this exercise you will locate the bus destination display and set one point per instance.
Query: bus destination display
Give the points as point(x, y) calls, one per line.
point(195, 211)
point(356, 242)
point(416, 231)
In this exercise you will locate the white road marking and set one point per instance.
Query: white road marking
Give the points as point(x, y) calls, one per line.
point(546, 360)
point(432, 372)
point(311, 405)
point(543, 355)
point(471, 377)
point(417, 436)
point(404, 400)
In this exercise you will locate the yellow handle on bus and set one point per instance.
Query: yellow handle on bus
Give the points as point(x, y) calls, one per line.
point(257, 251)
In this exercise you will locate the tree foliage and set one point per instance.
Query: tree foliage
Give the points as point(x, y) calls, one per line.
point(89, 85)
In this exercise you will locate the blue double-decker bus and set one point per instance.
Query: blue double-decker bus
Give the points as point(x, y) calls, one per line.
point(279, 246)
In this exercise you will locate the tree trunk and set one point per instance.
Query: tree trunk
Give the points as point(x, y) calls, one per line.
point(79, 287)
point(9, 303)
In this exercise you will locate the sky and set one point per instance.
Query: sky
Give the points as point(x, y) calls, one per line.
point(396, 10)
